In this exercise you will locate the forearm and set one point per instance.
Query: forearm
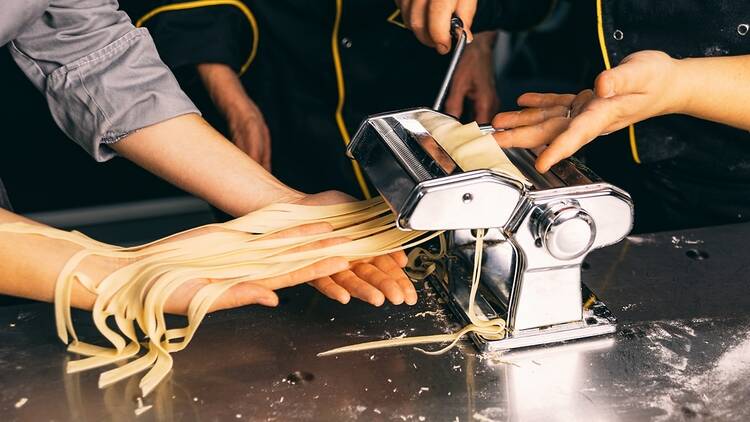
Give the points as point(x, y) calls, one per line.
point(30, 265)
point(716, 89)
point(190, 154)
point(225, 89)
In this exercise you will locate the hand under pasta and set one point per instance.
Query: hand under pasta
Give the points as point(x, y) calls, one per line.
point(372, 280)
point(261, 292)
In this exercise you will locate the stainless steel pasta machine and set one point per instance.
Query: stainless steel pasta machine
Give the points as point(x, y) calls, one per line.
point(537, 234)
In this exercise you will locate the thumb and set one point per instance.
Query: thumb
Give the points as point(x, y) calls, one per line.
point(243, 294)
point(627, 78)
point(454, 104)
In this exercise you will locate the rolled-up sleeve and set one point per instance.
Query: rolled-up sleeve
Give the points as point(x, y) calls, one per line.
point(102, 77)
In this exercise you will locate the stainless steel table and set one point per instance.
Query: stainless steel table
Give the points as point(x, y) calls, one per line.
point(682, 351)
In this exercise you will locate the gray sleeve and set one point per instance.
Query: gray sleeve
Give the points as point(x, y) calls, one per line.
point(102, 77)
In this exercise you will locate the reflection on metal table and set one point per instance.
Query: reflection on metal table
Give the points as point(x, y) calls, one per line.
point(681, 351)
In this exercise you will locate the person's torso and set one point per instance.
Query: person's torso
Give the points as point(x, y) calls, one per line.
point(686, 28)
point(321, 68)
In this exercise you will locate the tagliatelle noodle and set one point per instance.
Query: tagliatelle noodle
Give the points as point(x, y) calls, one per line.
point(235, 252)
point(473, 150)
point(227, 254)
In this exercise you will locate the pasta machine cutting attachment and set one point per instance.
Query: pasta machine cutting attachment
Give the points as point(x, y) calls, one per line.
point(538, 231)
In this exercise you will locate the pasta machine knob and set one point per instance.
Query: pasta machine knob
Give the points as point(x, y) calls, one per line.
point(566, 231)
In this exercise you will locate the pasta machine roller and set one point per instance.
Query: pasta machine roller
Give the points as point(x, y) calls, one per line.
point(537, 233)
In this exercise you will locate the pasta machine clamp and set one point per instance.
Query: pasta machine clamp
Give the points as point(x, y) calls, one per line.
point(537, 233)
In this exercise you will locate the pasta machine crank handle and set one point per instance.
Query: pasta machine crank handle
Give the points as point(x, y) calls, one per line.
point(457, 30)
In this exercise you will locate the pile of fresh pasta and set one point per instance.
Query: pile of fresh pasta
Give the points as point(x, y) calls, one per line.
point(241, 250)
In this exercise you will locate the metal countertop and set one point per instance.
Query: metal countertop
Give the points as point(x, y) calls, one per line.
point(682, 351)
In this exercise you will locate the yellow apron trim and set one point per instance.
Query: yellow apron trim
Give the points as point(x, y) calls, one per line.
point(393, 16)
point(607, 65)
point(633, 145)
point(600, 31)
point(205, 3)
point(342, 96)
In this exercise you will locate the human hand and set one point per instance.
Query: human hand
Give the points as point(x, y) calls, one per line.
point(644, 85)
point(248, 130)
point(474, 79)
point(430, 20)
point(262, 291)
point(372, 280)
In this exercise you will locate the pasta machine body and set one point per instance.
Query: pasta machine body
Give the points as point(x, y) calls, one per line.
point(537, 234)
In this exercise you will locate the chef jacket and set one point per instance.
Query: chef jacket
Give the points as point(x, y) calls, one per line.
point(699, 169)
point(687, 171)
point(102, 77)
point(316, 70)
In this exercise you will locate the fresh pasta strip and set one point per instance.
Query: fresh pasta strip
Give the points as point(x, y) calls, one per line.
point(239, 251)
point(490, 329)
point(242, 250)
point(471, 149)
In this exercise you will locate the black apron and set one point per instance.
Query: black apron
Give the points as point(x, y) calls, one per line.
point(697, 172)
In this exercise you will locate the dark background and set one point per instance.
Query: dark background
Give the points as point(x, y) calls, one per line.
point(43, 170)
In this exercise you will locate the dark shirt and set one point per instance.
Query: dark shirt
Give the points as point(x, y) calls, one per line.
point(699, 169)
point(690, 172)
point(101, 77)
point(293, 76)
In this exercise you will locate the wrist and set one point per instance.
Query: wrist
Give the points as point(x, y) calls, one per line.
point(685, 80)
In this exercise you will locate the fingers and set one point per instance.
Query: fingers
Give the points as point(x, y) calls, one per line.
point(373, 281)
point(394, 270)
point(400, 258)
point(535, 99)
point(324, 268)
point(581, 101)
point(582, 130)
point(330, 289)
point(454, 104)
point(415, 19)
point(244, 294)
point(532, 136)
point(329, 197)
point(383, 282)
point(466, 9)
point(358, 288)
point(438, 17)
point(430, 20)
point(527, 117)
point(627, 78)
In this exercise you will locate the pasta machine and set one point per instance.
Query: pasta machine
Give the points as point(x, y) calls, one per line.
point(537, 233)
